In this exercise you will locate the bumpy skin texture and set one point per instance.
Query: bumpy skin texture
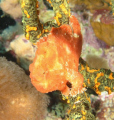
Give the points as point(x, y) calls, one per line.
point(57, 58)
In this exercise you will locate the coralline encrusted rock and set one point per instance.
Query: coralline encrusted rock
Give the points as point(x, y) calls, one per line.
point(19, 100)
point(103, 105)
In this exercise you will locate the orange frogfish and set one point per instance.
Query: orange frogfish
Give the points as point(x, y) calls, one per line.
point(55, 66)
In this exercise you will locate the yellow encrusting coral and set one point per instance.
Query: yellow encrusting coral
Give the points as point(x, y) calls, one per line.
point(30, 17)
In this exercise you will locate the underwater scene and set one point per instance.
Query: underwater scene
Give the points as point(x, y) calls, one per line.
point(56, 59)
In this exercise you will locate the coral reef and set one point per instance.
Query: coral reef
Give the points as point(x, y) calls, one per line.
point(11, 7)
point(9, 28)
point(22, 47)
point(109, 54)
point(100, 62)
point(112, 5)
point(103, 16)
point(46, 30)
point(79, 105)
point(19, 100)
point(103, 106)
point(23, 50)
point(32, 26)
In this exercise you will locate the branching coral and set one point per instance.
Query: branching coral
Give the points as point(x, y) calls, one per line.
point(55, 66)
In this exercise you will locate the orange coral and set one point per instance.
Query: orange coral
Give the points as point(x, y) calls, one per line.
point(56, 60)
